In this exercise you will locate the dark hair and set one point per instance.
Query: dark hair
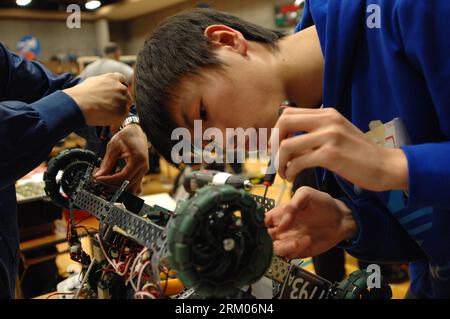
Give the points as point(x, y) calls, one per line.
point(175, 49)
point(111, 48)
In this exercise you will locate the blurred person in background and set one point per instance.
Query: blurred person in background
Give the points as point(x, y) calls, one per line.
point(109, 63)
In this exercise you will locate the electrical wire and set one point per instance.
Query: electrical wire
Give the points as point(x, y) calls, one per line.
point(147, 285)
point(85, 279)
point(133, 266)
point(112, 262)
point(104, 252)
point(265, 192)
point(133, 270)
point(144, 293)
point(59, 294)
point(166, 283)
point(82, 220)
point(141, 271)
point(86, 230)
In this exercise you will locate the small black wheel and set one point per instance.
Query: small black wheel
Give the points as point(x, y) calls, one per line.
point(72, 163)
point(356, 287)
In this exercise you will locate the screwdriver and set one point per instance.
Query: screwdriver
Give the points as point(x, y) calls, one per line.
point(271, 172)
point(268, 179)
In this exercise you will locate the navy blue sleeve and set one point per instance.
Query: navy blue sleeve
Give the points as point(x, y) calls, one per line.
point(28, 81)
point(34, 114)
point(380, 237)
point(424, 33)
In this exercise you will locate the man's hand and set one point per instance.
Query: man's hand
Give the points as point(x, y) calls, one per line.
point(330, 141)
point(131, 145)
point(104, 100)
point(310, 224)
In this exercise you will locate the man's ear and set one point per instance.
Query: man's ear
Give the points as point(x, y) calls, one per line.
point(221, 36)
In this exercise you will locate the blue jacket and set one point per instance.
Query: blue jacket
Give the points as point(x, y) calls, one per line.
point(399, 70)
point(34, 115)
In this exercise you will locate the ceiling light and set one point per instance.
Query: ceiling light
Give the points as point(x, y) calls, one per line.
point(92, 5)
point(23, 3)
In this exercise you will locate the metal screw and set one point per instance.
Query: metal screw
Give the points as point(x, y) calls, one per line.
point(229, 244)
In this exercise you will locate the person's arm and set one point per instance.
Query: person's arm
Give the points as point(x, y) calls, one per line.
point(35, 114)
point(28, 132)
point(423, 31)
point(27, 81)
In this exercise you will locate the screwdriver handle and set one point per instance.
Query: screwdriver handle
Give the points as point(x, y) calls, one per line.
point(269, 178)
point(271, 173)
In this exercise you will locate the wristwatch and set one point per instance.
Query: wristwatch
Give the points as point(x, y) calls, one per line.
point(132, 119)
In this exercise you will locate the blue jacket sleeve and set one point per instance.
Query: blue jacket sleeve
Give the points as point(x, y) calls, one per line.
point(423, 31)
point(380, 237)
point(34, 114)
point(28, 81)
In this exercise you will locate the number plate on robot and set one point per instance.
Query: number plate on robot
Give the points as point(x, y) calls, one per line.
point(300, 284)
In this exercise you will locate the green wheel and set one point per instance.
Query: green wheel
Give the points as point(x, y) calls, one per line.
point(218, 241)
point(355, 287)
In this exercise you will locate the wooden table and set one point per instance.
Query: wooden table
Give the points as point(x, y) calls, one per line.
point(44, 242)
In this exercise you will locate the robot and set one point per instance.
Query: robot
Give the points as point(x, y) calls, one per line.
point(214, 245)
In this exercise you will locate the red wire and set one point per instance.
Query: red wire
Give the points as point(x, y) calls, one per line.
point(59, 293)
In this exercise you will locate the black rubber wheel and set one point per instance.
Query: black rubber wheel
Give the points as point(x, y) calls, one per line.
point(71, 163)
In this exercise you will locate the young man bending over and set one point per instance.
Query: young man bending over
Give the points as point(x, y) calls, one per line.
point(365, 61)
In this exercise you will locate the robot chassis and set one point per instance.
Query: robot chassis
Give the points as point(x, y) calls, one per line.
point(214, 245)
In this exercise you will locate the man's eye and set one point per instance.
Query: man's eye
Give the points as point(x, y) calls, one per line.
point(203, 113)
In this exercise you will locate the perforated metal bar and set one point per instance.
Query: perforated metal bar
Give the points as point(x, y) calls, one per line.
point(151, 235)
point(140, 229)
point(266, 203)
point(279, 268)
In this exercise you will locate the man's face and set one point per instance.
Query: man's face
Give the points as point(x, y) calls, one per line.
point(245, 93)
